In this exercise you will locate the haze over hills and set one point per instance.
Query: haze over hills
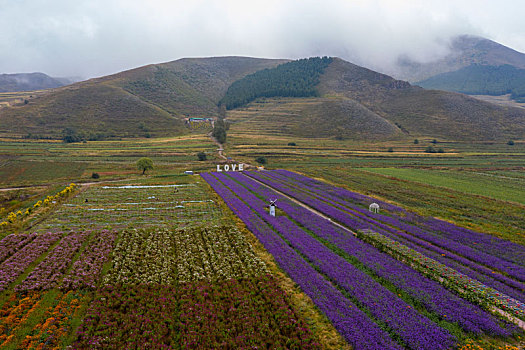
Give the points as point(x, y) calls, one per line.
point(352, 102)
point(465, 50)
point(30, 82)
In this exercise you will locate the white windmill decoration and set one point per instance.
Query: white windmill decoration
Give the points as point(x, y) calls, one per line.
point(272, 207)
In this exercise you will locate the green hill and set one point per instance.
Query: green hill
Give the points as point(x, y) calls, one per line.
point(146, 101)
point(344, 101)
point(359, 103)
point(481, 80)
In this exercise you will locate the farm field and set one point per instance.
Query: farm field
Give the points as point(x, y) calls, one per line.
point(32, 162)
point(504, 187)
point(58, 277)
point(297, 237)
point(223, 266)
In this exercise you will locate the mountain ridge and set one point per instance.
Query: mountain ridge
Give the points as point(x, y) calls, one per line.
point(465, 50)
point(153, 101)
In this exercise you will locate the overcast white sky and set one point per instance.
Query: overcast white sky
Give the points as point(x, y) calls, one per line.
point(91, 38)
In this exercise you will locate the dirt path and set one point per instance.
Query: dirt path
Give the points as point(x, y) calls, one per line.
point(220, 149)
point(46, 185)
point(318, 213)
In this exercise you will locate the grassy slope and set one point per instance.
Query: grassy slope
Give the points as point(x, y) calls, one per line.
point(157, 95)
point(311, 117)
point(423, 112)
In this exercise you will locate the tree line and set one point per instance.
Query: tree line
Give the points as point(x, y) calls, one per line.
point(481, 80)
point(293, 79)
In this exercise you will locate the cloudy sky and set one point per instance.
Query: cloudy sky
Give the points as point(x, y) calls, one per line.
point(97, 37)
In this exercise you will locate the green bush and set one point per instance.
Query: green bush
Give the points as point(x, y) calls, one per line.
point(260, 160)
point(201, 156)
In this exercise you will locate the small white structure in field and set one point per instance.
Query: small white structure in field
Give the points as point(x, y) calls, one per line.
point(374, 208)
point(188, 172)
point(272, 207)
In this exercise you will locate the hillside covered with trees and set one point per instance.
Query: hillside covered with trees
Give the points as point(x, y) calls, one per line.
point(481, 80)
point(293, 79)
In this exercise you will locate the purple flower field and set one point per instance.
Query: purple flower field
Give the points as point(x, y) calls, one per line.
point(357, 218)
point(315, 251)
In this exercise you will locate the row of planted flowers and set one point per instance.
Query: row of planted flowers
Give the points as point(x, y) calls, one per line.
point(230, 314)
point(464, 285)
point(358, 218)
point(486, 243)
point(214, 253)
point(414, 330)
point(166, 256)
point(14, 218)
point(442, 303)
point(74, 262)
point(462, 244)
point(353, 324)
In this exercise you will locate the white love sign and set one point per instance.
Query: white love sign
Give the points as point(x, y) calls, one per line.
point(230, 167)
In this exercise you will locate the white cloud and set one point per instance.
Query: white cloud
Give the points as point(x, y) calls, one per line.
point(98, 37)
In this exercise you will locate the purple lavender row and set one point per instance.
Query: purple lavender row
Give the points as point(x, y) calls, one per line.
point(420, 237)
point(353, 324)
point(392, 226)
point(13, 243)
point(507, 250)
point(511, 269)
point(415, 330)
point(17, 263)
point(367, 217)
point(360, 223)
point(86, 270)
point(432, 295)
point(504, 249)
point(51, 270)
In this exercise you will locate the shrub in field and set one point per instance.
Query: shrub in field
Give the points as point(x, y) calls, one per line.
point(144, 164)
point(261, 160)
point(95, 176)
point(201, 156)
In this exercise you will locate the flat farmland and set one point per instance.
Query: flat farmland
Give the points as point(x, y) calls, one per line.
point(153, 260)
point(509, 187)
point(122, 205)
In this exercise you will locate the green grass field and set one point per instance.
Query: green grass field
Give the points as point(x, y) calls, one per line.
point(507, 188)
